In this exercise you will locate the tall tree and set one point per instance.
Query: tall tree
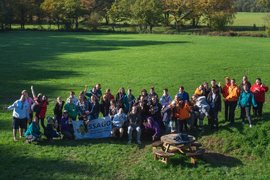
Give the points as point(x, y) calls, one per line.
point(218, 13)
point(147, 13)
point(179, 9)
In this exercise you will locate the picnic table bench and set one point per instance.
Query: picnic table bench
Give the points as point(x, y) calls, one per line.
point(168, 146)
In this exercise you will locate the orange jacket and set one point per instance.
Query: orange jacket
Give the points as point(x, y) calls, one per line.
point(233, 93)
point(198, 92)
point(225, 90)
point(183, 113)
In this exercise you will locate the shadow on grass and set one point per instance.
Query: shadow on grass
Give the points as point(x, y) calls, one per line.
point(34, 56)
point(19, 165)
point(220, 160)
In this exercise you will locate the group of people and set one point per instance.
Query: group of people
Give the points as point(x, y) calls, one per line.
point(147, 114)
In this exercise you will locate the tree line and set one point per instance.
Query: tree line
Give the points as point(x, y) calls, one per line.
point(70, 14)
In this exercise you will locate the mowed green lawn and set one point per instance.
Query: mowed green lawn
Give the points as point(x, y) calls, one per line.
point(249, 19)
point(56, 63)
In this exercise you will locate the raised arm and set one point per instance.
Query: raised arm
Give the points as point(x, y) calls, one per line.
point(33, 92)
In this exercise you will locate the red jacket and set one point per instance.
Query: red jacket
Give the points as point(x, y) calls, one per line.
point(259, 92)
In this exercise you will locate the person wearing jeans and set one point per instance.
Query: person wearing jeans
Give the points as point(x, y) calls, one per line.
point(246, 99)
point(134, 124)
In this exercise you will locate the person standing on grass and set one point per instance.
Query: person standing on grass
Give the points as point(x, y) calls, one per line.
point(73, 97)
point(259, 90)
point(93, 108)
point(57, 111)
point(152, 93)
point(199, 90)
point(246, 100)
point(165, 101)
point(232, 98)
point(182, 115)
point(134, 124)
point(20, 116)
point(71, 109)
point(214, 100)
point(31, 102)
point(225, 91)
point(99, 92)
point(182, 94)
point(206, 89)
point(245, 81)
point(131, 99)
point(43, 104)
point(113, 109)
point(122, 100)
point(83, 108)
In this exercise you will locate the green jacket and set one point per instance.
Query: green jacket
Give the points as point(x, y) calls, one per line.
point(72, 110)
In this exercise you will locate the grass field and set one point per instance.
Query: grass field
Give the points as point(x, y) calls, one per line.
point(56, 63)
point(249, 19)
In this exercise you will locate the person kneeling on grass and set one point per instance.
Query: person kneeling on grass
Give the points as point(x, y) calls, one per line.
point(50, 132)
point(246, 99)
point(153, 126)
point(66, 127)
point(118, 122)
point(33, 132)
point(134, 124)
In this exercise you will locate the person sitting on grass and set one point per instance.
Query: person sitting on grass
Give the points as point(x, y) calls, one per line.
point(71, 108)
point(151, 125)
point(118, 122)
point(66, 126)
point(50, 132)
point(33, 131)
point(245, 101)
point(134, 124)
point(214, 100)
point(20, 116)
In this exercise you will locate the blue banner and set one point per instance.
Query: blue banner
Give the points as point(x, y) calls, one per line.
point(98, 128)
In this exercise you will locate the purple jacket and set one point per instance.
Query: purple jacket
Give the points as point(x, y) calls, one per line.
point(153, 126)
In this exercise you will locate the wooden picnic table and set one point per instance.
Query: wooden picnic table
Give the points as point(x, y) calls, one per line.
point(169, 140)
point(190, 148)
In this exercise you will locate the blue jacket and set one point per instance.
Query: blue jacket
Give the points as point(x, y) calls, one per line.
point(246, 99)
point(33, 130)
point(183, 96)
point(119, 120)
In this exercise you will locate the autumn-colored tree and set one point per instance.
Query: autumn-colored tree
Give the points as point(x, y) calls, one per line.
point(179, 9)
point(218, 13)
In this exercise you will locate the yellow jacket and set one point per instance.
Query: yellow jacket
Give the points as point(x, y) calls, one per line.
point(233, 93)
